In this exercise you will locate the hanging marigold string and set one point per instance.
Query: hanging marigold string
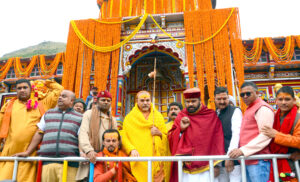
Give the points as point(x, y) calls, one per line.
point(198, 42)
point(71, 55)
point(104, 37)
point(107, 48)
point(252, 56)
point(237, 49)
point(189, 48)
point(115, 69)
point(87, 65)
point(5, 68)
point(220, 46)
point(120, 22)
point(24, 72)
point(297, 39)
point(46, 70)
point(208, 54)
point(125, 8)
point(199, 54)
point(284, 55)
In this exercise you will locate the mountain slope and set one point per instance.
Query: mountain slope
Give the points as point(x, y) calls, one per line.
point(47, 48)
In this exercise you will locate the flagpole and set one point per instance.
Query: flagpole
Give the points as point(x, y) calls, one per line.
point(153, 103)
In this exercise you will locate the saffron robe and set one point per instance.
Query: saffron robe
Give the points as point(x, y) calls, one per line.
point(204, 136)
point(22, 127)
point(102, 168)
point(136, 135)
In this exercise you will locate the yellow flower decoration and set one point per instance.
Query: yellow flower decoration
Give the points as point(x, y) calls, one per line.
point(179, 44)
point(128, 47)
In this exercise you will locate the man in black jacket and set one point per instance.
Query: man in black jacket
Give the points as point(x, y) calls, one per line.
point(231, 118)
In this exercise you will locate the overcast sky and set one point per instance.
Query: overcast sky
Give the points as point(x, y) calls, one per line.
point(25, 23)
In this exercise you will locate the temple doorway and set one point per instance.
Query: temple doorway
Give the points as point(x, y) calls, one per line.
point(169, 83)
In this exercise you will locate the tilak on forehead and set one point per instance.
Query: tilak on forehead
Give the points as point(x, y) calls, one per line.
point(284, 94)
point(143, 95)
point(111, 135)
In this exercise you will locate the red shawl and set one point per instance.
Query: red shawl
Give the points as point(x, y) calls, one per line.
point(286, 126)
point(204, 136)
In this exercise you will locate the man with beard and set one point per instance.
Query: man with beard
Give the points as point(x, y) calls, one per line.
point(94, 123)
point(252, 140)
point(112, 171)
point(173, 109)
point(197, 130)
point(231, 118)
point(143, 137)
point(285, 131)
point(18, 125)
point(58, 131)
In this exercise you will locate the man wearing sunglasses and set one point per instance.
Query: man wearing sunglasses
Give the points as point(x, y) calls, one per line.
point(252, 140)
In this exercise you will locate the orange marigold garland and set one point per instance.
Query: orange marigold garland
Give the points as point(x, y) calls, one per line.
point(88, 56)
point(188, 16)
point(24, 72)
point(80, 60)
point(103, 37)
point(6, 68)
point(237, 48)
point(252, 56)
point(284, 55)
point(199, 54)
point(297, 39)
point(219, 46)
point(71, 56)
point(48, 70)
point(208, 55)
point(115, 67)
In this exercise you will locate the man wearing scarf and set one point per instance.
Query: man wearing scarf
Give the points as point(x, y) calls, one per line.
point(197, 131)
point(144, 134)
point(112, 171)
point(94, 123)
point(285, 131)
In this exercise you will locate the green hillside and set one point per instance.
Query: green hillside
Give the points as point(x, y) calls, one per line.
point(47, 48)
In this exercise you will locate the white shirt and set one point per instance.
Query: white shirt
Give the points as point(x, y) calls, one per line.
point(236, 122)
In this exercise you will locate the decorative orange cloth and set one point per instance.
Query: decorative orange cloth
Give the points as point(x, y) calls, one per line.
point(6, 119)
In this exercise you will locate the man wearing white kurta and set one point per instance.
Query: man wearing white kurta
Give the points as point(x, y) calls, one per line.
point(231, 118)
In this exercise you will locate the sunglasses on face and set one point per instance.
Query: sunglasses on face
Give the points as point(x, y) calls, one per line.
point(245, 93)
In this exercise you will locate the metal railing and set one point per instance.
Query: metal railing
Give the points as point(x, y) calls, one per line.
point(179, 159)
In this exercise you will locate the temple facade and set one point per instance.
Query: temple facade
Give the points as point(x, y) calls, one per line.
point(151, 46)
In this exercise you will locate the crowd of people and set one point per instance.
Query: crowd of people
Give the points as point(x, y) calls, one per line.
point(63, 126)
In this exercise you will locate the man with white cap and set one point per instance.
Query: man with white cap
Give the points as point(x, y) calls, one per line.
point(196, 131)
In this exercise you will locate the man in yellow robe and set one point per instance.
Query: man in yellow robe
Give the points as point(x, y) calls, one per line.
point(139, 134)
point(18, 125)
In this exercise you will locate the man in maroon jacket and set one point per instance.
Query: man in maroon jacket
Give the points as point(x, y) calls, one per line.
point(197, 131)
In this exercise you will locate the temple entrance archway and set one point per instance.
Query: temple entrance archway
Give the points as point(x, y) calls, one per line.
point(170, 81)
